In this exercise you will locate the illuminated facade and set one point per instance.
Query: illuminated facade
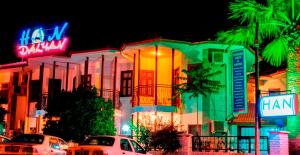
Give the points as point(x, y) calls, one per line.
point(139, 78)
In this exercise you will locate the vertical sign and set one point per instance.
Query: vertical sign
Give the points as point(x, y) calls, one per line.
point(239, 81)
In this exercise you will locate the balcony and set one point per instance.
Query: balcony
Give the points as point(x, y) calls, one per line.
point(145, 95)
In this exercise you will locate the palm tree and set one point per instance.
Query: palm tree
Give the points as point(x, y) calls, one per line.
point(279, 33)
point(199, 81)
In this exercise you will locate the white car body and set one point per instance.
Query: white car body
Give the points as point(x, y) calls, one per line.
point(108, 145)
point(34, 144)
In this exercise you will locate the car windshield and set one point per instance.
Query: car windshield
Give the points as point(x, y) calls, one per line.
point(104, 141)
point(29, 138)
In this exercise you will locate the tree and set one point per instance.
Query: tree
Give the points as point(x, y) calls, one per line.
point(3, 112)
point(199, 81)
point(278, 31)
point(85, 115)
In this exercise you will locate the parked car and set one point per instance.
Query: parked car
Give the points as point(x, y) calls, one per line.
point(34, 144)
point(108, 145)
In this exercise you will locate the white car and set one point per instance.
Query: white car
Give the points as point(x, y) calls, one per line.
point(108, 145)
point(34, 144)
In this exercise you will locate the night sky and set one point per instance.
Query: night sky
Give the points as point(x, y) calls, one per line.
point(96, 25)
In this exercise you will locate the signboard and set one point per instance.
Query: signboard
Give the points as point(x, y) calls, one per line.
point(40, 41)
point(280, 105)
point(239, 81)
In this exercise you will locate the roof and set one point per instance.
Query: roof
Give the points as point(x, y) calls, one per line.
point(247, 118)
point(14, 65)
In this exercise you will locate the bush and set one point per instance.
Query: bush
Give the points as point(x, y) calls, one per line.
point(166, 139)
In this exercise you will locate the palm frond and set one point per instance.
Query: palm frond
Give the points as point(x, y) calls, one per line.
point(246, 10)
point(200, 82)
point(271, 28)
point(276, 51)
point(298, 16)
point(238, 36)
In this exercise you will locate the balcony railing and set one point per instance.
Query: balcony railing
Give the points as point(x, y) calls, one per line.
point(110, 94)
point(146, 95)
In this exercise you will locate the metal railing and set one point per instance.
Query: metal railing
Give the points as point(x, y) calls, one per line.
point(240, 144)
point(146, 95)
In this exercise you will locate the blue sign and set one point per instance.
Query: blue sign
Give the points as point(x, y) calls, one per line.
point(239, 81)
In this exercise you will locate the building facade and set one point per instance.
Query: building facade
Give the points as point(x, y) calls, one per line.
point(140, 79)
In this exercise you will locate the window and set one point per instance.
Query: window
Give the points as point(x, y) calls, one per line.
point(29, 138)
point(99, 140)
point(193, 129)
point(4, 93)
point(191, 67)
point(126, 83)
point(215, 55)
point(125, 145)
point(34, 90)
point(137, 147)
point(53, 143)
point(86, 80)
point(146, 83)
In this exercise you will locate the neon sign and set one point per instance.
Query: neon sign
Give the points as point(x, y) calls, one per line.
point(281, 105)
point(42, 41)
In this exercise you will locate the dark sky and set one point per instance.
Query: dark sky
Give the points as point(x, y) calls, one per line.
point(110, 25)
point(99, 25)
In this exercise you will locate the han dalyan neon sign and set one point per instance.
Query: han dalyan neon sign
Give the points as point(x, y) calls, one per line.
point(39, 41)
point(280, 105)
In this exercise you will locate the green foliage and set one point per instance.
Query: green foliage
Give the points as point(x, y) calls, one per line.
point(3, 112)
point(276, 51)
point(142, 134)
point(200, 82)
point(82, 114)
point(166, 139)
point(278, 22)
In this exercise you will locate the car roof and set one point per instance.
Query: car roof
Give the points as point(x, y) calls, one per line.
point(117, 136)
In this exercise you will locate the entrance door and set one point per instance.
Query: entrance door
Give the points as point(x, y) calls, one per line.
point(146, 83)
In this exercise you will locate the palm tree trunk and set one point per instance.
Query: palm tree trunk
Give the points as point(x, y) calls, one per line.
point(292, 77)
point(197, 117)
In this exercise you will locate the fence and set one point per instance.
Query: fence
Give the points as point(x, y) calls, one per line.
point(239, 144)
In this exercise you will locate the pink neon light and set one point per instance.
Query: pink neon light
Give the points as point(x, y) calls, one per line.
point(43, 48)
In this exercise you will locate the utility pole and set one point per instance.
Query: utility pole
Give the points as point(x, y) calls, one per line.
point(257, 93)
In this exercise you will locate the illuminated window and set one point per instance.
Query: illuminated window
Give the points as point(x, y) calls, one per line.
point(126, 83)
point(86, 80)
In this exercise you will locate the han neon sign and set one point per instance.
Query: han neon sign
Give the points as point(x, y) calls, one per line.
point(41, 41)
point(281, 105)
